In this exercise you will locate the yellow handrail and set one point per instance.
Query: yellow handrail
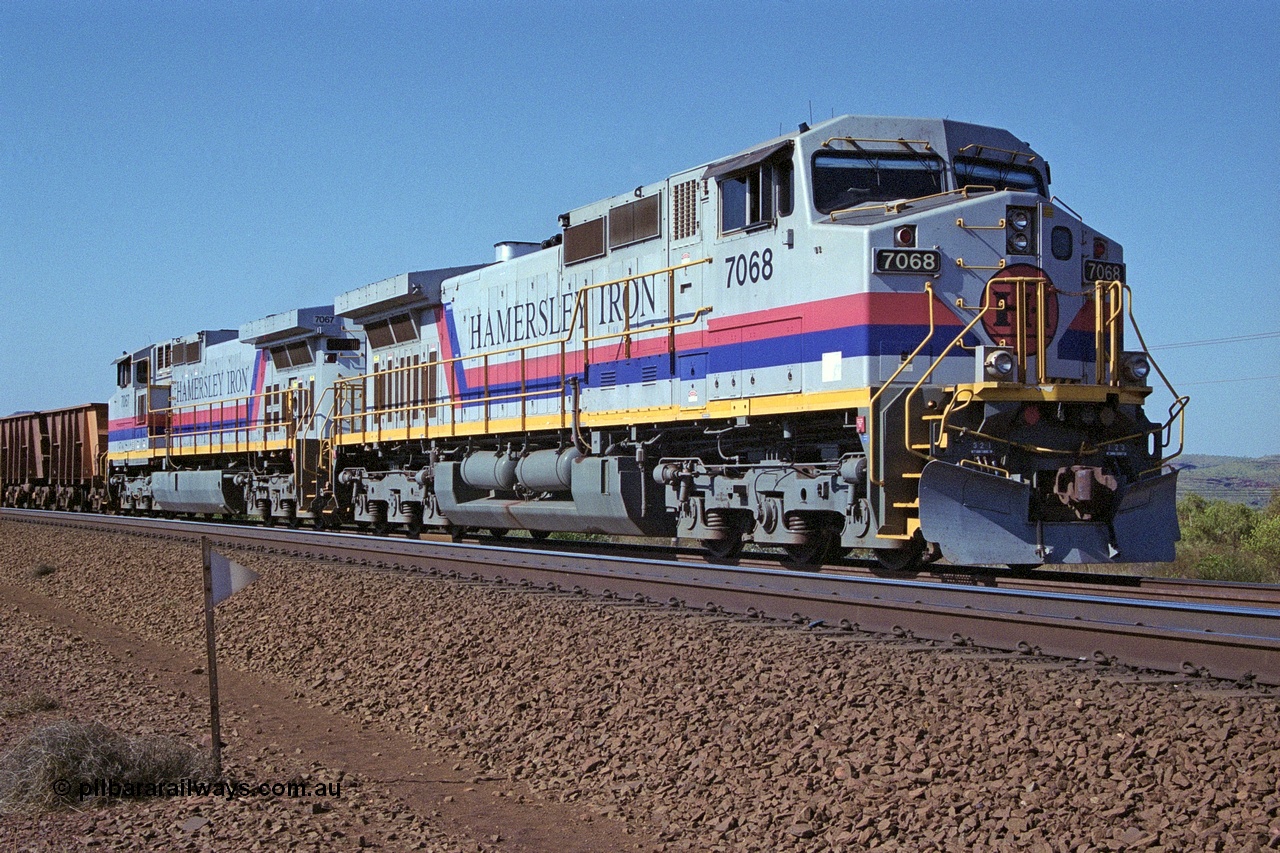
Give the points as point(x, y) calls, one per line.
point(1013, 155)
point(999, 226)
point(578, 317)
point(854, 140)
point(186, 438)
point(962, 265)
point(1179, 404)
point(937, 360)
point(871, 404)
point(1112, 300)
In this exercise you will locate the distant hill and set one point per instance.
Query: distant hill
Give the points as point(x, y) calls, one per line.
point(1232, 478)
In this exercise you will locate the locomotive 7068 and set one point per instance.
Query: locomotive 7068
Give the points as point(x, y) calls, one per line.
point(875, 333)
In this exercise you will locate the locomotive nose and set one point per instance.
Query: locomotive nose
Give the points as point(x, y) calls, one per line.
point(1021, 313)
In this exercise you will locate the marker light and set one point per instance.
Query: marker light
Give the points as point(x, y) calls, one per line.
point(1136, 367)
point(1000, 365)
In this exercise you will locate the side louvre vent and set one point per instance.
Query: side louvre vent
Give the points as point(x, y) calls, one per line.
point(635, 221)
point(649, 373)
point(584, 241)
point(684, 210)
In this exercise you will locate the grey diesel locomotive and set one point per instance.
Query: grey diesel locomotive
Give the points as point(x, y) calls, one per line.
point(875, 333)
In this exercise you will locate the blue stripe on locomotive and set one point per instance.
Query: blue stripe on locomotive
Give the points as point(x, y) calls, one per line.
point(808, 347)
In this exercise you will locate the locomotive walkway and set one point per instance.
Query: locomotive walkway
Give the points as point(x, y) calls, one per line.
point(1192, 631)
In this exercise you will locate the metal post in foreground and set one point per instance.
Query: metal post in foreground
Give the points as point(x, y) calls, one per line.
point(214, 723)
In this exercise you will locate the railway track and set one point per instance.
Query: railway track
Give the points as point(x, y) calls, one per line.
point(1198, 628)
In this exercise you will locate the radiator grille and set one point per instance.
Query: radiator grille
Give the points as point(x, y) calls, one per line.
point(684, 210)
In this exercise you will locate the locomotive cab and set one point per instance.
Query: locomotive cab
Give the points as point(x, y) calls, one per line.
point(1016, 417)
point(944, 346)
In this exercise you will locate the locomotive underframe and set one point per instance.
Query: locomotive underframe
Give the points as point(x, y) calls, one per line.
point(262, 484)
point(793, 483)
point(1074, 476)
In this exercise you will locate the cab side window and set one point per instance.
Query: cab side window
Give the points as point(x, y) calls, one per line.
point(756, 196)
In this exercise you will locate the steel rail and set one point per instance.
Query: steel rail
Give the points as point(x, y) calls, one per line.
point(1178, 590)
point(1045, 579)
point(1231, 642)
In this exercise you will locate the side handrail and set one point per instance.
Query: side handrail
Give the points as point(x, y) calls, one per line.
point(1177, 408)
point(316, 418)
point(924, 377)
point(871, 403)
point(578, 317)
point(186, 437)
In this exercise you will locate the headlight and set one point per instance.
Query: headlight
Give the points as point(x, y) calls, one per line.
point(1019, 231)
point(1000, 365)
point(1136, 367)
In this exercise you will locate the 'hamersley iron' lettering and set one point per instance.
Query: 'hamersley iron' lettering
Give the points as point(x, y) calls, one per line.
point(550, 317)
point(212, 386)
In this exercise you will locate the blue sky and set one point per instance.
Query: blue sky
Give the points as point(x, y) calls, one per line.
point(168, 167)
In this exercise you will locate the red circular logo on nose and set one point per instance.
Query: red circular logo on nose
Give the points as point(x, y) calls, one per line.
point(1001, 319)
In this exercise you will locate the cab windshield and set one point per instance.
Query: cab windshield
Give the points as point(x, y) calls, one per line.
point(970, 171)
point(845, 179)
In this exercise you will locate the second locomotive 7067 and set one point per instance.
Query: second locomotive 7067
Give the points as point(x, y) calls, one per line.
point(873, 333)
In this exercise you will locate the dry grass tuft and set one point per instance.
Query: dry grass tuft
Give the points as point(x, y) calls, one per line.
point(43, 570)
point(32, 702)
point(49, 766)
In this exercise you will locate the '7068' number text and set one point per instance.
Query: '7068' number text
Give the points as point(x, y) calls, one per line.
point(908, 260)
point(758, 266)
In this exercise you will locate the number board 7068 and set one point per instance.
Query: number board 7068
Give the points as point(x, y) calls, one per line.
point(918, 261)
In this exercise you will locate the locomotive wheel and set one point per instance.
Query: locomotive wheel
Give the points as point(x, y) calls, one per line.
point(900, 559)
point(498, 532)
point(378, 523)
point(539, 535)
point(456, 532)
point(413, 527)
point(726, 550)
point(291, 515)
point(813, 552)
